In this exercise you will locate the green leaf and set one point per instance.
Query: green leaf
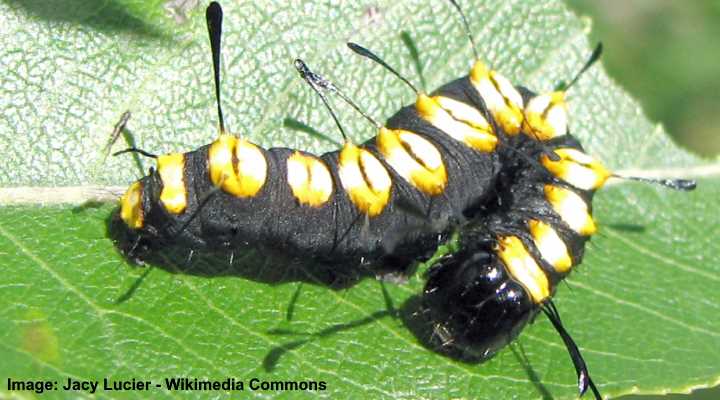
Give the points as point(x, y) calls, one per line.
point(643, 306)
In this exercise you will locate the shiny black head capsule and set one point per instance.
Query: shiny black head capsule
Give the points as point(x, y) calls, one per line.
point(476, 308)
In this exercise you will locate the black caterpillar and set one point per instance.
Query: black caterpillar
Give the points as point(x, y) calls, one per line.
point(479, 156)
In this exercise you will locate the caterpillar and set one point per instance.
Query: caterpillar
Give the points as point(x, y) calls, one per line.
point(480, 157)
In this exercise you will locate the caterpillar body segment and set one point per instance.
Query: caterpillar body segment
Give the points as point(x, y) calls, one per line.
point(332, 229)
point(274, 208)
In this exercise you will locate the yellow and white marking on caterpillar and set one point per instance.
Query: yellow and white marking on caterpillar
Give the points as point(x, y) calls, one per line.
point(552, 248)
point(523, 267)
point(131, 211)
point(365, 179)
point(414, 158)
point(500, 96)
point(577, 168)
point(571, 208)
point(237, 166)
point(310, 179)
point(546, 116)
point(174, 194)
point(457, 119)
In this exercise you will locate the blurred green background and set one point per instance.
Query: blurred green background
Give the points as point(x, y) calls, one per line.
point(666, 53)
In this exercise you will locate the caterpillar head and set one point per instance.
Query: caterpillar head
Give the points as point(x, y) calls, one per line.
point(475, 307)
